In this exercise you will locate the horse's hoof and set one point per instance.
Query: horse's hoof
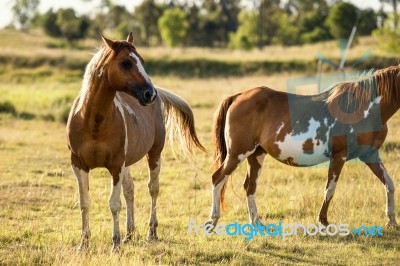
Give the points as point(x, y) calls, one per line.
point(127, 239)
point(115, 249)
point(83, 246)
point(324, 221)
point(152, 237)
point(212, 222)
point(392, 225)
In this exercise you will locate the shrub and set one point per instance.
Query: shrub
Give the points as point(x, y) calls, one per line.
point(8, 107)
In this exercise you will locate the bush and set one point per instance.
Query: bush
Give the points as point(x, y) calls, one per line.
point(8, 107)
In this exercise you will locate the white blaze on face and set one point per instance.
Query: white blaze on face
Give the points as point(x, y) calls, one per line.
point(140, 67)
point(292, 146)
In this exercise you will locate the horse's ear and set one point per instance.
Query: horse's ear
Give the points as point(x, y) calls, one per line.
point(106, 41)
point(130, 38)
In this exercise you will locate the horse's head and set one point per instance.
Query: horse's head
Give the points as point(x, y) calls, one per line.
point(125, 71)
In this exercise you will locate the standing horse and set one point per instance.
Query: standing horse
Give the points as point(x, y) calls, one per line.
point(117, 119)
point(348, 121)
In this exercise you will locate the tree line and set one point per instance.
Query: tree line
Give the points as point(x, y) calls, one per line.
point(212, 23)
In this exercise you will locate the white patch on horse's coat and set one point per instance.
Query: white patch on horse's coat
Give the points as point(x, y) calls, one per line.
point(157, 168)
point(118, 104)
point(377, 100)
point(252, 207)
point(140, 66)
point(115, 201)
point(260, 160)
point(243, 156)
point(351, 129)
point(82, 178)
point(331, 189)
point(280, 128)
point(228, 139)
point(292, 146)
point(390, 188)
point(124, 104)
point(216, 197)
point(101, 71)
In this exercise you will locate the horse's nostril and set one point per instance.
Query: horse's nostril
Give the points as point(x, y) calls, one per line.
point(147, 95)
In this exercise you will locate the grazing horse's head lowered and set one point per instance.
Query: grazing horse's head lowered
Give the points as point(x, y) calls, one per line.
point(126, 72)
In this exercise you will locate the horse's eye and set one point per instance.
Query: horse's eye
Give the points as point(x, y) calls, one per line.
point(126, 64)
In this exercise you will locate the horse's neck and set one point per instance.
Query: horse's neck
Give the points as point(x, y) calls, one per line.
point(99, 106)
point(388, 109)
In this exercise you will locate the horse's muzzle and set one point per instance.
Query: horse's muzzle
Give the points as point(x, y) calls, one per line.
point(145, 95)
point(149, 96)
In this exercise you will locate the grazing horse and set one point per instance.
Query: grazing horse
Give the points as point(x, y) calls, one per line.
point(348, 121)
point(118, 118)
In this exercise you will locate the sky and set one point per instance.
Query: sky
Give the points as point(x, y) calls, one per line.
point(86, 7)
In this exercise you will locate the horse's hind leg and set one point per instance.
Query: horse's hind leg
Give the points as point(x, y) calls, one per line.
point(219, 179)
point(254, 165)
point(154, 163)
point(82, 178)
point(128, 190)
point(335, 167)
point(380, 171)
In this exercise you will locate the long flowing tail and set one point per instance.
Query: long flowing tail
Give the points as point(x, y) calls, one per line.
point(179, 122)
point(218, 135)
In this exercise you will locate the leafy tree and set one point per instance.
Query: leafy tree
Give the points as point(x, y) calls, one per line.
point(269, 21)
point(173, 26)
point(212, 24)
point(387, 36)
point(147, 15)
point(395, 15)
point(246, 35)
point(341, 19)
point(287, 33)
point(24, 11)
point(49, 23)
point(312, 26)
point(367, 22)
point(230, 9)
point(70, 25)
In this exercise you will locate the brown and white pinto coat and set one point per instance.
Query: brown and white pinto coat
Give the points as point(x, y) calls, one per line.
point(346, 122)
point(118, 118)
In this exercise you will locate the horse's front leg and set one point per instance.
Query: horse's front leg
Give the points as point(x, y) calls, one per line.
point(115, 204)
point(82, 177)
point(128, 190)
point(154, 163)
point(380, 171)
point(335, 167)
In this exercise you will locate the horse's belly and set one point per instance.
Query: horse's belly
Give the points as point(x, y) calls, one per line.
point(298, 151)
point(95, 154)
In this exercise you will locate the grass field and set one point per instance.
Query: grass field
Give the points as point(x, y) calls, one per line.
point(40, 216)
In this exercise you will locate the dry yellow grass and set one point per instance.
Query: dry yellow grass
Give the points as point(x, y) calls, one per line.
point(40, 216)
